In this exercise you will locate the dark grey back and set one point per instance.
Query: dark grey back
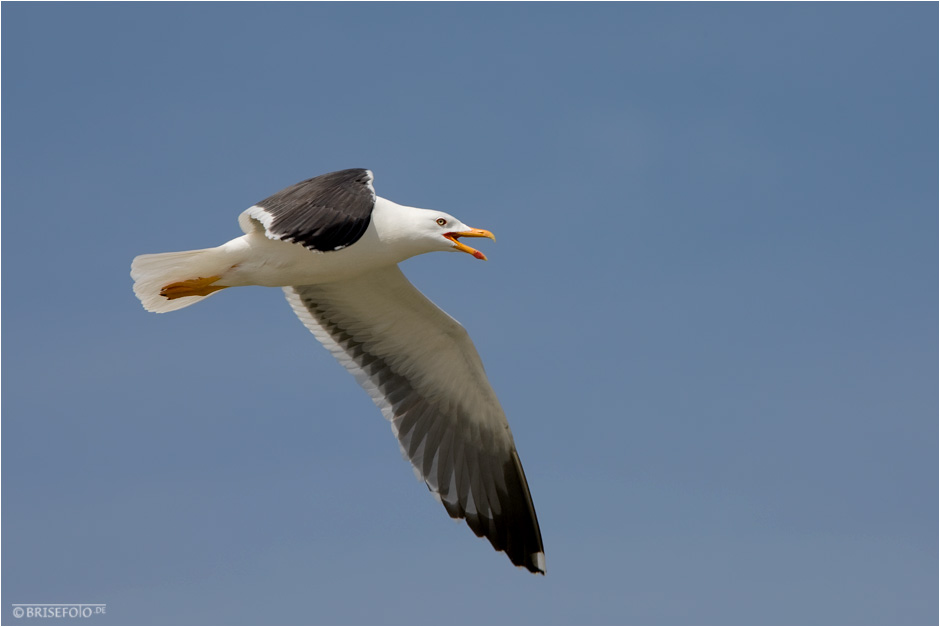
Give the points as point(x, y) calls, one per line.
point(325, 213)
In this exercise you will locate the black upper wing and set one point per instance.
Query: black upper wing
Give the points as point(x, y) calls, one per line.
point(325, 213)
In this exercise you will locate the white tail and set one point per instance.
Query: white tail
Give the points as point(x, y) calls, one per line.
point(151, 273)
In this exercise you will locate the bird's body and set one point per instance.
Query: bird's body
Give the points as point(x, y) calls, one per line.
point(334, 246)
point(256, 259)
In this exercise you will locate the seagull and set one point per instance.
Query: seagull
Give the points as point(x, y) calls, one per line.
point(334, 247)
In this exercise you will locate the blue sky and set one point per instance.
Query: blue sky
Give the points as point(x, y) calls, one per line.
point(710, 313)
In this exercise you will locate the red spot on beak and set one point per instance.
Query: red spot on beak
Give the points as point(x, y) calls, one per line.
point(471, 233)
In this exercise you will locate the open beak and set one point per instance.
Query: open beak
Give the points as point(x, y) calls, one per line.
point(471, 233)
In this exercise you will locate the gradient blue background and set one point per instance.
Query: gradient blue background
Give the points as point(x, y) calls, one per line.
point(711, 312)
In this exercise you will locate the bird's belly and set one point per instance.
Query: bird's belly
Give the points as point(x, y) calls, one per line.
point(258, 260)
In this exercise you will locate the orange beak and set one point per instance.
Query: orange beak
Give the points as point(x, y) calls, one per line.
point(471, 233)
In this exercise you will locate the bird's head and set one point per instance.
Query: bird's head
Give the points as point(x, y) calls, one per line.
point(411, 231)
point(443, 232)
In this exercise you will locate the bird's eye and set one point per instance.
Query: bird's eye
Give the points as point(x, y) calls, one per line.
point(441, 221)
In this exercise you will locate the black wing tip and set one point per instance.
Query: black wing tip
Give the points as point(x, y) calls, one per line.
point(535, 563)
point(515, 531)
point(525, 548)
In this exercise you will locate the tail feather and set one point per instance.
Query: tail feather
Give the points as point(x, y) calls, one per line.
point(151, 273)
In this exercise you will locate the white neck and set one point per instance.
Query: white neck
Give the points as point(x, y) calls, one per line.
point(393, 225)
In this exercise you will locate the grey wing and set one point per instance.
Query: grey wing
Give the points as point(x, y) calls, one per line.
point(325, 213)
point(420, 367)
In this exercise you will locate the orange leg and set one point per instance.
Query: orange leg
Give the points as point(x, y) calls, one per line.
point(201, 286)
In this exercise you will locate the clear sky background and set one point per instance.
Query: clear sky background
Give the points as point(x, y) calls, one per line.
point(711, 312)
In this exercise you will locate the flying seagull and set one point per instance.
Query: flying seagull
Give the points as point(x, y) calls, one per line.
point(334, 247)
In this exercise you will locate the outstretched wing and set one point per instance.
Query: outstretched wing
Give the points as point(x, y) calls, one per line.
point(420, 367)
point(325, 213)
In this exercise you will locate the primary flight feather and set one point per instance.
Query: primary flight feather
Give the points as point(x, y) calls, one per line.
point(334, 247)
